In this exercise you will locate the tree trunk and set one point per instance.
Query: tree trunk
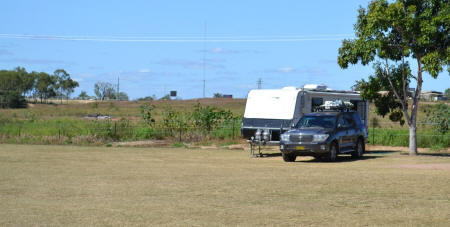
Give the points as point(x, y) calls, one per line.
point(414, 108)
point(413, 139)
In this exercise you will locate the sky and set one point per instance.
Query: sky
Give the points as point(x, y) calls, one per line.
point(158, 46)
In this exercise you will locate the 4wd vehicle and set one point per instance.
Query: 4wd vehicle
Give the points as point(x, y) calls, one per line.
point(325, 135)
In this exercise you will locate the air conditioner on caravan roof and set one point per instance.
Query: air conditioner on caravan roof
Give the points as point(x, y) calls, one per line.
point(320, 87)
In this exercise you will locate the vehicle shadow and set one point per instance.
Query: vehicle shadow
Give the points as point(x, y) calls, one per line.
point(345, 158)
point(269, 155)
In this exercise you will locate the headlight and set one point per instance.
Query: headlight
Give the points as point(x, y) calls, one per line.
point(285, 137)
point(320, 137)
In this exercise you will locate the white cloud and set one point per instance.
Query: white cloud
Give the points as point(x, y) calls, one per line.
point(221, 50)
point(286, 70)
point(144, 70)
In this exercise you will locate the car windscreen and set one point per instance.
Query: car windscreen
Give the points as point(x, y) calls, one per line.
point(316, 122)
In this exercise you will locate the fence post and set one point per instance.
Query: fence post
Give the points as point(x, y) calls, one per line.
point(234, 120)
point(373, 132)
point(20, 127)
point(179, 126)
point(59, 132)
point(115, 130)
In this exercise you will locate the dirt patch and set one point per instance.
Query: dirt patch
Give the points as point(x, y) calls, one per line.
point(143, 143)
point(441, 166)
point(239, 147)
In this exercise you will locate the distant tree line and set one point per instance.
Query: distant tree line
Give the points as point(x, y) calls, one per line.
point(17, 84)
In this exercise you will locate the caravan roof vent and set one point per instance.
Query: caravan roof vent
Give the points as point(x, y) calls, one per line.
point(320, 87)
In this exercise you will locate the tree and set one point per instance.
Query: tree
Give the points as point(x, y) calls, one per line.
point(11, 89)
point(65, 84)
point(357, 85)
point(447, 93)
point(104, 90)
point(217, 95)
point(122, 96)
point(147, 98)
point(391, 34)
point(165, 97)
point(26, 79)
point(45, 86)
point(83, 95)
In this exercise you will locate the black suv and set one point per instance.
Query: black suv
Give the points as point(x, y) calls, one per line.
point(325, 135)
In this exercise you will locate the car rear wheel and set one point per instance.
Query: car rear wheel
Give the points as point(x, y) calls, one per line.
point(288, 157)
point(359, 149)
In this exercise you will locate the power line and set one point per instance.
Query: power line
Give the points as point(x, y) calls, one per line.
point(181, 39)
point(38, 36)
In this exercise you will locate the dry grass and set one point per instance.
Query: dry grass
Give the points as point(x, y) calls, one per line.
point(69, 185)
point(127, 109)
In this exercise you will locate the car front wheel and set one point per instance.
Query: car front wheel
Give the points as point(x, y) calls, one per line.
point(331, 157)
point(288, 157)
point(359, 149)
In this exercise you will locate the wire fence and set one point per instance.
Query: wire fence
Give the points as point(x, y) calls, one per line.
point(393, 134)
point(110, 131)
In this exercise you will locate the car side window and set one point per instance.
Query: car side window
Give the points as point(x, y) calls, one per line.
point(349, 122)
point(341, 122)
point(357, 119)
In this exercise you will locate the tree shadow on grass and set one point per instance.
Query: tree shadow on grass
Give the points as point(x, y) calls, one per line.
point(436, 154)
point(380, 152)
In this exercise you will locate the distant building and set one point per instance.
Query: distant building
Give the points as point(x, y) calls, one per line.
point(227, 96)
point(431, 95)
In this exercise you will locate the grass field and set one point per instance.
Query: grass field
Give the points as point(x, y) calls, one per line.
point(71, 185)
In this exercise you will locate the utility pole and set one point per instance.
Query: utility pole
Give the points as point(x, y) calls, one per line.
point(118, 84)
point(259, 83)
point(204, 52)
point(204, 86)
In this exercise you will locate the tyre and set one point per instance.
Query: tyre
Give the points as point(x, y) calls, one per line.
point(331, 157)
point(288, 157)
point(359, 149)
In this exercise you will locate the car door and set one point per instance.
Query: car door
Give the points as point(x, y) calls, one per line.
point(342, 133)
point(352, 131)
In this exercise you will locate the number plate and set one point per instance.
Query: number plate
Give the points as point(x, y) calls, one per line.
point(300, 148)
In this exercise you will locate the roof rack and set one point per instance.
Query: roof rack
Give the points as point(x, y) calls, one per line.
point(334, 106)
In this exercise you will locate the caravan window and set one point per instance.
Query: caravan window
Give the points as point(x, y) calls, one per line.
point(315, 103)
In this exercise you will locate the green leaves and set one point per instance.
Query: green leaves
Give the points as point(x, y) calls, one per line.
point(147, 113)
point(394, 32)
point(439, 116)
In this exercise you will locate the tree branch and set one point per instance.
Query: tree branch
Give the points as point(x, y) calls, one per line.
point(404, 91)
point(402, 102)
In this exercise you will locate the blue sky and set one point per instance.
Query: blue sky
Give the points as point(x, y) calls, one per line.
point(157, 46)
